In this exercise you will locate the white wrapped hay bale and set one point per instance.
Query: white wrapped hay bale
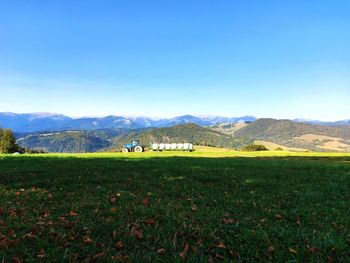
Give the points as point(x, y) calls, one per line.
point(172, 146)
point(161, 146)
point(154, 146)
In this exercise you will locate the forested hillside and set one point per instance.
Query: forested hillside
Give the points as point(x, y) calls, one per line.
point(70, 141)
point(182, 133)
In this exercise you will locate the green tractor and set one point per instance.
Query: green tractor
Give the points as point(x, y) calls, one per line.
point(134, 146)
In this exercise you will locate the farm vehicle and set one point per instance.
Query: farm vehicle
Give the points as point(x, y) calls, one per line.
point(134, 146)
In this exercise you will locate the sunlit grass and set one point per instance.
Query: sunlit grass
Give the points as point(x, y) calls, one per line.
point(200, 152)
point(141, 207)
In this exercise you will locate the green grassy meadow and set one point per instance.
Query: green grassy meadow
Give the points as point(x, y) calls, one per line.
point(205, 206)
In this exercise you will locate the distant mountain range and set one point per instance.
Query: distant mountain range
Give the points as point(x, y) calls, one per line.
point(335, 123)
point(33, 122)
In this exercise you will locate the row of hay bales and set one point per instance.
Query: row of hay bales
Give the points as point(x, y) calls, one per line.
point(172, 146)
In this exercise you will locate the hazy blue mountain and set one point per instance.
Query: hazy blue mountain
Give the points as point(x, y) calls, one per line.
point(335, 123)
point(29, 122)
point(33, 122)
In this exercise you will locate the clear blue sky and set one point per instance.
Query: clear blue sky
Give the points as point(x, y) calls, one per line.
point(283, 59)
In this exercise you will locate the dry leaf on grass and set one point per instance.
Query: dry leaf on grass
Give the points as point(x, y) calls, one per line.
point(87, 240)
point(119, 245)
point(150, 221)
point(278, 217)
point(220, 245)
point(218, 256)
point(184, 252)
point(161, 251)
point(292, 250)
point(145, 201)
point(72, 213)
point(16, 260)
point(138, 234)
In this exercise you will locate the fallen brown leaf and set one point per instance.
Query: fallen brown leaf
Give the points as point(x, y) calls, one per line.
point(313, 250)
point(161, 251)
point(145, 201)
point(228, 221)
point(292, 250)
point(119, 245)
point(200, 241)
point(278, 217)
point(41, 254)
point(270, 250)
point(184, 252)
point(195, 250)
point(29, 235)
point(138, 234)
point(330, 259)
point(4, 242)
point(16, 260)
point(99, 255)
point(45, 214)
point(150, 221)
point(87, 240)
point(194, 208)
point(218, 256)
point(72, 213)
point(220, 245)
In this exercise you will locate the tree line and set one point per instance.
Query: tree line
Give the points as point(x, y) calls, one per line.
point(8, 142)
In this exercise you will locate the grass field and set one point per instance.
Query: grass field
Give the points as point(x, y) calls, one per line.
point(206, 206)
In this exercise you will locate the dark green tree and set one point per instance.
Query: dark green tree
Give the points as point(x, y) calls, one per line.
point(254, 147)
point(7, 142)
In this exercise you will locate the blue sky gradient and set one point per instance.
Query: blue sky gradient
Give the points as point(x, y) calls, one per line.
point(281, 59)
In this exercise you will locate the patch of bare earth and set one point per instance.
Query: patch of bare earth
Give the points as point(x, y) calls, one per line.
point(325, 142)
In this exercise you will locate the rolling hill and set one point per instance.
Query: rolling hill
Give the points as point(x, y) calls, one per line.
point(298, 135)
point(182, 133)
